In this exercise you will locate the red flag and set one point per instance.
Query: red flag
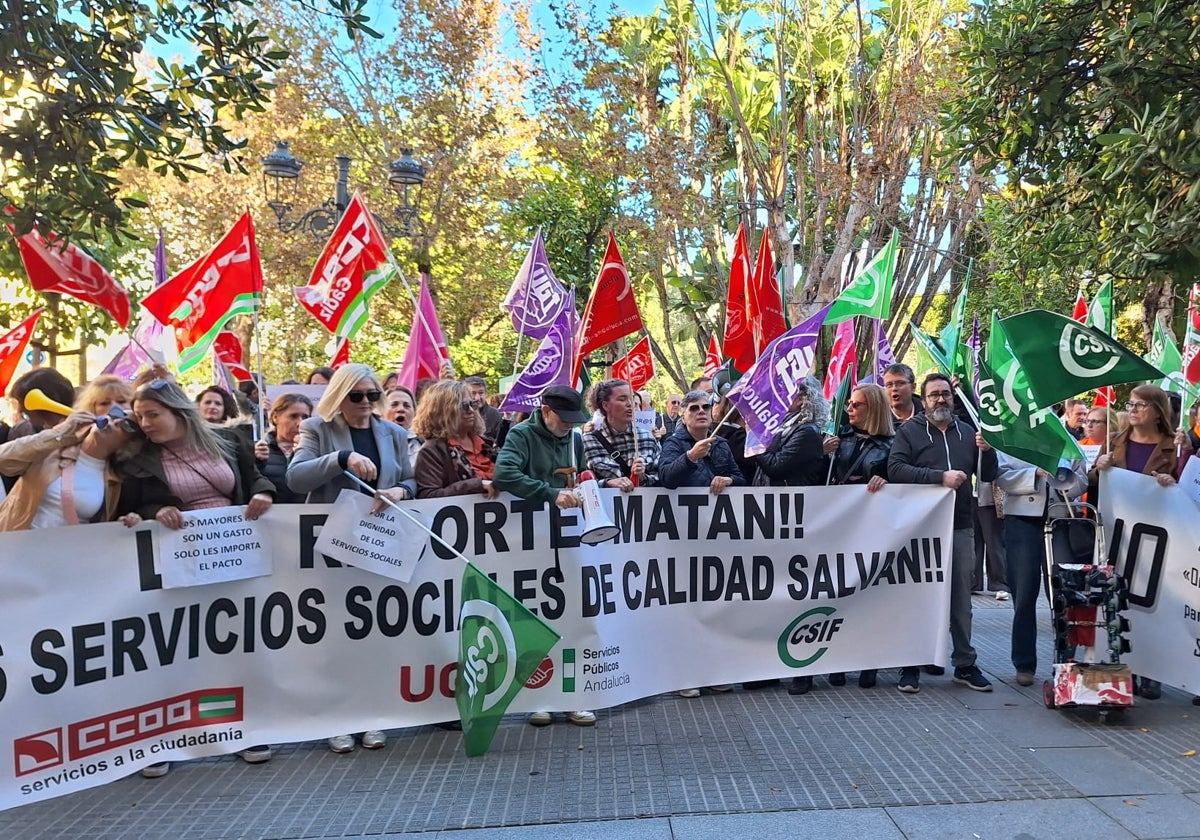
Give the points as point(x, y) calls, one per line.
point(199, 300)
point(66, 268)
point(228, 348)
point(341, 356)
point(1105, 396)
point(738, 343)
point(353, 266)
point(1080, 312)
point(1191, 338)
point(637, 366)
point(611, 311)
point(712, 359)
point(12, 348)
point(764, 306)
point(842, 359)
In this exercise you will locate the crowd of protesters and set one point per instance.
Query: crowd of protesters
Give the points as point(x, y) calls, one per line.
point(118, 451)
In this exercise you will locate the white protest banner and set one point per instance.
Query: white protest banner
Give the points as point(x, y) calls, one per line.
point(1189, 480)
point(214, 545)
point(103, 672)
point(386, 543)
point(647, 421)
point(1091, 451)
point(1153, 533)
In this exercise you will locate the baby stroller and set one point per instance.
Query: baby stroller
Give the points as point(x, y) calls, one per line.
point(1086, 599)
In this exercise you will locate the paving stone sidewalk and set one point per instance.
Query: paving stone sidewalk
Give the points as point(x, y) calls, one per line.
point(839, 762)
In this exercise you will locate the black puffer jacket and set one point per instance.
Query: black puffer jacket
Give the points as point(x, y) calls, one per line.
point(859, 457)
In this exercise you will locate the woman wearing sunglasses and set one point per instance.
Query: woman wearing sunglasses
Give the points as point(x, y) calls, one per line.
point(456, 460)
point(66, 472)
point(346, 435)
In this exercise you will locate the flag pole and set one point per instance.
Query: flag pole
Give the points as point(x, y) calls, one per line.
point(262, 381)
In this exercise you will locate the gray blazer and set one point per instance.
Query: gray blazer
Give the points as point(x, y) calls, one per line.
point(315, 467)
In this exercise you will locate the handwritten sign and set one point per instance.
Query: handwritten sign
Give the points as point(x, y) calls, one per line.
point(213, 546)
point(387, 543)
point(1091, 451)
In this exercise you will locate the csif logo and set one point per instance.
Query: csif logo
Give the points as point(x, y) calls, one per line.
point(1084, 354)
point(490, 657)
point(803, 641)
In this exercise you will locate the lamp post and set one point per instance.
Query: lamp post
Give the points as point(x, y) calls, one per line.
point(281, 174)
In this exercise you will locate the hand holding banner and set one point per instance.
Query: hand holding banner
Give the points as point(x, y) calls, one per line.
point(213, 546)
point(385, 543)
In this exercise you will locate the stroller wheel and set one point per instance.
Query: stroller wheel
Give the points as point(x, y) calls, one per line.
point(1048, 694)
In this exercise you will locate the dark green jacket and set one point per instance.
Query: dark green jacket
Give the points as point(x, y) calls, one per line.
point(531, 454)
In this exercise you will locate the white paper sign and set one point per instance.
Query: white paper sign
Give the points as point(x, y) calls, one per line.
point(213, 546)
point(646, 420)
point(1091, 451)
point(1189, 480)
point(387, 543)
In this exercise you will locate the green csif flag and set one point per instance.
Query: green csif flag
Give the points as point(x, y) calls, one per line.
point(501, 643)
point(837, 412)
point(933, 348)
point(1009, 417)
point(955, 351)
point(1065, 358)
point(1165, 356)
point(870, 294)
point(1100, 311)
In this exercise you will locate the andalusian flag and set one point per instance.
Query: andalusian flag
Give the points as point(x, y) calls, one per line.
point(501, 644)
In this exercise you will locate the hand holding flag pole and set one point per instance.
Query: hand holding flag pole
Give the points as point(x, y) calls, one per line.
point(414, 520)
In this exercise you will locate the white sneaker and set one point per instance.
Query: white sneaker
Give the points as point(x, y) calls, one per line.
point(690, 693)
point(1001, 595)
point(156, 771)
point(540, 719)
point(341, 743)
point(373, 740)
point(722, 687)
point(257, 754)
point(582, 718)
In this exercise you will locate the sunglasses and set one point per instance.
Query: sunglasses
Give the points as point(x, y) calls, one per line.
point(158, 384)
point(359, 396)
point(695, 407)
point(117, 418)
point(466, 406)
point(854, 404)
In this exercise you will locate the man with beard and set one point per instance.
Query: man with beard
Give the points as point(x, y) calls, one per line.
point(937, 448)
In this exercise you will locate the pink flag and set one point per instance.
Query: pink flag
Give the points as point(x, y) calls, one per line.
point(842, 359)
point(426, 343)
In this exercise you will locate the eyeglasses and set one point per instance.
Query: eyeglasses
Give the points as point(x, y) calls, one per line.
point(1136, 406)
point(939, 395)
point(672, 402)
point(359, 396)
point(855, 404)
point(900, 384)
point(1095, 422)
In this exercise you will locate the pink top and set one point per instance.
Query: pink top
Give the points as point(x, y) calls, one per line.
point(199, 480)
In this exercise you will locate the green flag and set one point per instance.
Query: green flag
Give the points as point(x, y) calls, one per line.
point(871, 292)
point(1100, 311)
point(837, 412)
point(501, 643)
point(955, 351)
point(1065, 358)
point(1165, 356)
point(1010, 419)
point(964, 373)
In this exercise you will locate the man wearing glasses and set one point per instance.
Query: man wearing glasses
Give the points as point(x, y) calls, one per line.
point(898, 381)
point(937, 448)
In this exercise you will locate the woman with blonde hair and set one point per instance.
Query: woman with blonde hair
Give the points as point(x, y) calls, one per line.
point(456, 459)
point(346, 435)
point(66, 473)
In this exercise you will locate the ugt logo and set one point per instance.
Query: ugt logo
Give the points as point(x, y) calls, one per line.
point(490, 655)
point(812, 629)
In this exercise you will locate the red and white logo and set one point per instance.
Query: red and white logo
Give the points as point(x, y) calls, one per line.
point(38, 752)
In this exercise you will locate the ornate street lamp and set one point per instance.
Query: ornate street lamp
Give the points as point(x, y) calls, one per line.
point(281, 174)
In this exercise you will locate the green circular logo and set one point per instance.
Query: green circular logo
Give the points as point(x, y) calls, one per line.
point(811, 628)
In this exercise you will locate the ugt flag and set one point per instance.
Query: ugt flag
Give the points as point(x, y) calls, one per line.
point(765, 393)
point(1010, 419)
point(549, 365)
point(12, 348)
point(870, 293)
point(55, 266)
point(200, 300)
point(536, 297)
point(611, 312)
point(764, 302)
point(501, 643)
point(353, 266)
point(1065, 358)
point(426, 343)
point(738, 341)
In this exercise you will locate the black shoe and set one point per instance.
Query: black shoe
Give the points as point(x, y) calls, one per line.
point(450, 725)
point(754, 685)
point(800, 685)
point(934, 670)
point(972, 677)
point(910, 680)
point(1150, 689)
point(866, 679)
point(838, 678)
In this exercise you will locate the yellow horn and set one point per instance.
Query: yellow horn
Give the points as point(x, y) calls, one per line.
point(35, 400)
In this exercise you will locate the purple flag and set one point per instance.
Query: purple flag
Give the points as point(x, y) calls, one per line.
point(884, 357)
point(143, 348)
point(536, 297)
point(765, 393)
point(551, 365)
point(973, 343)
